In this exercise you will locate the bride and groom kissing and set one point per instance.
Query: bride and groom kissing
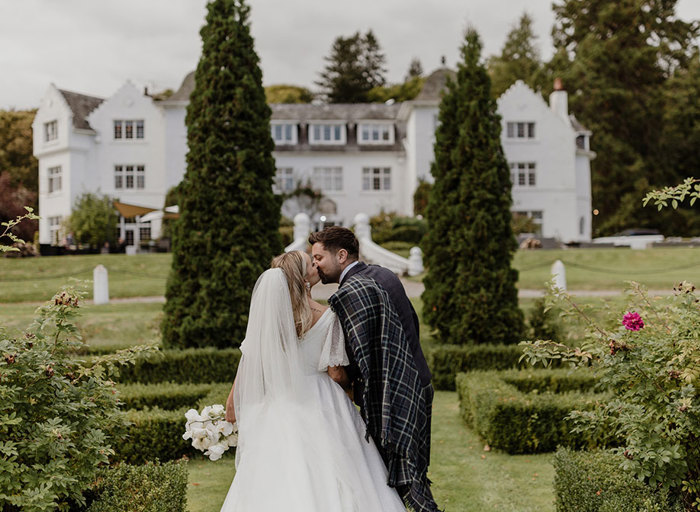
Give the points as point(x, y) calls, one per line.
point(303, 446)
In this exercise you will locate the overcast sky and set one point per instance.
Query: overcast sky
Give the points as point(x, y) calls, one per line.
point(94, 46)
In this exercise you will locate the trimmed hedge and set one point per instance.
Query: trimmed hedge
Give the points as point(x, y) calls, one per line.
point(446, 361)
point(164, 395)
point(190, 366)
point(157, 433)
point(522, 411)
point(594, 482)
point(149, 488)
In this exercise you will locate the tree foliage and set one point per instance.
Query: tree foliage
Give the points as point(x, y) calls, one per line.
point(616, 56)
point(227, 231)
point(470, 293)
point(354, 66)
point(415, 69)
point(93, 220)
point(16, 150)
point(519, 59)
point(12, 205)
point(282, 93)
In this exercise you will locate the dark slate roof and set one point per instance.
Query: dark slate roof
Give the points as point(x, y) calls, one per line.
point(81, 105)
point(186, 88)
point(434, 84)
point(351, 112)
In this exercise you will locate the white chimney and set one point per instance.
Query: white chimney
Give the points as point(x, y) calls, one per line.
point(559, 101)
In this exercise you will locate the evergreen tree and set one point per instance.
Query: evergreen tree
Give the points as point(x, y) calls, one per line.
point(519, 59)
point(355, 66)
point(415, 70)
point(470, 293)
point(621, 53)
point(227, 232)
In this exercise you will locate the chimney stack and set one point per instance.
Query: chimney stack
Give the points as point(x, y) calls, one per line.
point(559, 100)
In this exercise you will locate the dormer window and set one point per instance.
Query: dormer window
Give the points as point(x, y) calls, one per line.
point(520, 130)
point(327, 133)
point(50, 131)
point(371, 133)
point(284, 133)
point(582, 142)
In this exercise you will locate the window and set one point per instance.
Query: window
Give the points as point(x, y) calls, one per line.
point(328, 179)
point(376, 178)
point(581, 225)
point(535, 216)
point(376, 133)
point(54, 229)
point(327, 133)
point(520, 130)
point(128, 129)
point(50, 131)
point(284, 133)
point(522, 174)
point(55, 180)
point(129, 176)
point(284, 179)
point(144, 233)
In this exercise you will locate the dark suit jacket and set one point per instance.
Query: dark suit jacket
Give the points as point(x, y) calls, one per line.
point(409, 319)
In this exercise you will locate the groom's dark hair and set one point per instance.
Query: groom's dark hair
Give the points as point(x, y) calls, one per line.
point(335, 238)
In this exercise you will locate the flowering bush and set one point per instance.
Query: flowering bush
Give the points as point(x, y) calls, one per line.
point(57, 414)
point(650, 363)
point(210, 432)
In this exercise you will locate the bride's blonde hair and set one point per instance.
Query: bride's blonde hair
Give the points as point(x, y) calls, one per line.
point(293, 264)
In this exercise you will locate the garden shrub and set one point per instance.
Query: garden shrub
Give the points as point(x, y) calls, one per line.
point(526, 411)
point(594, 482)
point(193, 366)
point(165, 395)
point(58, 416)
point(446, 361)
point(152, 487)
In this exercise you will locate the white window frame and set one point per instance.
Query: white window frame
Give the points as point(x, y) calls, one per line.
point(55, 181)
point(51, 131)
point(129, 129)
point(367, 131)
point(284, 180)
point(521, 130)
point(328, 179)
point(326, 128)
point(55, 229)
point(129, 177)
point(523, 174)
point(376, 179)
point(284, 133)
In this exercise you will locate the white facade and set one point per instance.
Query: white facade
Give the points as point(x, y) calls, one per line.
point(365, 158)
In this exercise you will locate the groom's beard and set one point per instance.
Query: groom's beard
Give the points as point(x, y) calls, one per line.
point(325, 279)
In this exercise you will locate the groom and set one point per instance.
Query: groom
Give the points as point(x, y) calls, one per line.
point(388, 371)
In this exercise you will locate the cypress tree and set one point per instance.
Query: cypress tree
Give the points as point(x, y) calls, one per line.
point(470, 294)
point(229, 217)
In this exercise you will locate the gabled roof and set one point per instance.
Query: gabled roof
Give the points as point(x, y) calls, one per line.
point(435, 83)
point(303, 112)
point(80, 105)
point(186, 88)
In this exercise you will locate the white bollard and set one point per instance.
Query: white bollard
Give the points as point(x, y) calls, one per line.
point(415, 262)
point(100, 285)
point(362, 227)
point(559, 275)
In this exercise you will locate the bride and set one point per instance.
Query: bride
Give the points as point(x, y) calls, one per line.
point(301, 444)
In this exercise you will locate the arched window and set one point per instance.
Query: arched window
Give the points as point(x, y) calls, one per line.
point(581, 225)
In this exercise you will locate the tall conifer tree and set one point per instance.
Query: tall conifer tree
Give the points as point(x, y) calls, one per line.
point(229, 217)
point(470, 293)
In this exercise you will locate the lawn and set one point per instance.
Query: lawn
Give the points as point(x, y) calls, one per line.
point(465, 477)
point(37, 279)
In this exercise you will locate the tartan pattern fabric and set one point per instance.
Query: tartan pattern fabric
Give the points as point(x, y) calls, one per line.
point(395, 406)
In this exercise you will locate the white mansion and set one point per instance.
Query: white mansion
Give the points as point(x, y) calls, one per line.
point(363, 157)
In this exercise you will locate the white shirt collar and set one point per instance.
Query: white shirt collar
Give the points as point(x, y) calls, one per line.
point(346, 270)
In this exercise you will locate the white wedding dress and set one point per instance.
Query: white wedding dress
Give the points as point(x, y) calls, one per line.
point(304, 451)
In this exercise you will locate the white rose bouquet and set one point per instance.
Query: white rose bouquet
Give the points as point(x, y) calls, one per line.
point(210, 432)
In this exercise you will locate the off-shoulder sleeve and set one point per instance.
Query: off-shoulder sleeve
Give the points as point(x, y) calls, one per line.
point(333, 351)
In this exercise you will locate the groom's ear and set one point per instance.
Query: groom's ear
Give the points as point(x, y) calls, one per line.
point(342, 256)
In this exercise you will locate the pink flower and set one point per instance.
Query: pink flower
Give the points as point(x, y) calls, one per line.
point(632, 321)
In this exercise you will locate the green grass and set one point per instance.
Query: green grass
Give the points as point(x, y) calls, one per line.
point(465, 478)
point(109, 326)
point(37, 279)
